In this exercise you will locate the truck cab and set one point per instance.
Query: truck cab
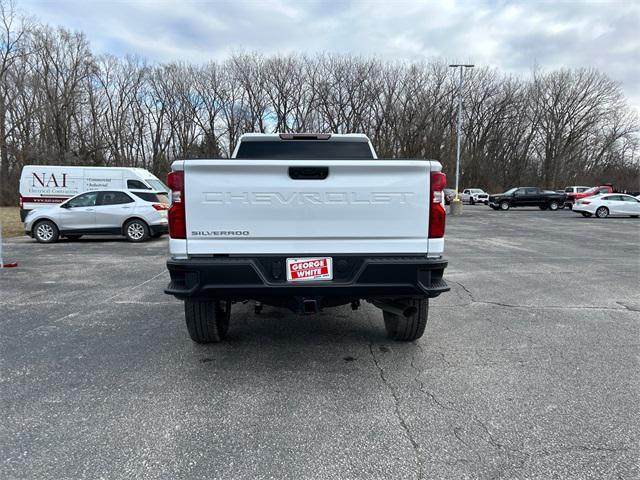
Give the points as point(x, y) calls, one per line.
point(306, 222)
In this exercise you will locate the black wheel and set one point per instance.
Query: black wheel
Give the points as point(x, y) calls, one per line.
point(136, 230)
point(542, 207)
point(72, 237)
point(570, 206)
point(504, 205)
point(472, 201)
point(207, 320)
point(602, 212)
point(46, 231)
point(553, 205)
point(585, 214)
point(407, 329)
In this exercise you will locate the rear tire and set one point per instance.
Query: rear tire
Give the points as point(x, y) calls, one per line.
point(136, 230)
point(407, 329)
point(207, 320)
point(602, 212)
point(504, 206)
point(553, 205)
point(585, 214)
point(46, 231)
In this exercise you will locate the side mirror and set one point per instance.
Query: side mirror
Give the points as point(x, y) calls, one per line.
point(65, 205)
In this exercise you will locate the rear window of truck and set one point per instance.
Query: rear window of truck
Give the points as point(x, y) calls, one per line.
point(305, 150)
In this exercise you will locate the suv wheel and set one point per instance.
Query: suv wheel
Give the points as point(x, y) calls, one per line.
point(602, 212)
point(504, 205)
point(46, 232)
point(553, 205)
point(136, 230)
point(207, 320)
point(407, 329)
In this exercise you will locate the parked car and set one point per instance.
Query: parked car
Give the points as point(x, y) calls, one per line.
point(474, 195)
point(599, 190)
point(45, 185)
point(602, 206)
point(527, 197)
point(575, 189)
point(137, 215)
point(274, 227)
point(449, 195)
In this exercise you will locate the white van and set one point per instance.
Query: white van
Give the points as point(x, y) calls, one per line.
point(42, 185)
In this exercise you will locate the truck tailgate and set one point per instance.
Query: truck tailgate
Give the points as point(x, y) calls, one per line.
point(256, 207)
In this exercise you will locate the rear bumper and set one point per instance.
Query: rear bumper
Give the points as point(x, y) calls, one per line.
point(158, 229)
point(264, 278)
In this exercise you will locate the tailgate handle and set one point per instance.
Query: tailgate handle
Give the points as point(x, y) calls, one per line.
point(308, 173)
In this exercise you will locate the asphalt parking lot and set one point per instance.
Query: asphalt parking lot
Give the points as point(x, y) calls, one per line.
point(529, 367)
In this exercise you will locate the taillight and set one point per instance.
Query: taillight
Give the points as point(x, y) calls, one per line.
point(584, 202)
point(177, 218)
point(160, 206)
point(21, 202)
point(437, 213)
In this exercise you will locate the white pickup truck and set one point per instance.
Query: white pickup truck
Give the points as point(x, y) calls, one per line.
point(306, 221)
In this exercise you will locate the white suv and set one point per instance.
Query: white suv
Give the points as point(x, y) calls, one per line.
point(138, 215)
point(474, 195)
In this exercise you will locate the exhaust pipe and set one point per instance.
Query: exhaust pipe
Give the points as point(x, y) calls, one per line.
point(397, 308)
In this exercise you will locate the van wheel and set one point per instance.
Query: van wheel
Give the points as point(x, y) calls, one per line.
point(504, 205)
point(602, 212)
point(46, 232)
point(553, 205)
point(136, 230)
point(207, 320)
point(407, 329)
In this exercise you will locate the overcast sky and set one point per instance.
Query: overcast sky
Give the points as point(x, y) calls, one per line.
point(510, 35)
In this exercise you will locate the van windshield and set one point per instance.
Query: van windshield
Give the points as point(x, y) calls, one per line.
point(157, 184)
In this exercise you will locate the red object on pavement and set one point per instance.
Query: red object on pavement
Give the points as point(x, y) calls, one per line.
point(10, 265)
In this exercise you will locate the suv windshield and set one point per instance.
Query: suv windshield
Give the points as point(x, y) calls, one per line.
point(153, 197)
point(304, 150)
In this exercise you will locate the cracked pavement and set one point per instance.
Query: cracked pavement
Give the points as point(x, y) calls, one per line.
point(529, 367)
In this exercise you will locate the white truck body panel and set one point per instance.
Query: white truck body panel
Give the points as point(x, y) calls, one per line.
point(253, 207)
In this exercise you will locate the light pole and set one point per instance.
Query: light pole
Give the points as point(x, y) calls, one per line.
point(456, 206)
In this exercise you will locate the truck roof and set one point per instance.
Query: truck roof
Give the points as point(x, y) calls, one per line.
point(282, 137)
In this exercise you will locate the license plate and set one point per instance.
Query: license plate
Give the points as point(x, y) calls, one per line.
point(303, 269)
